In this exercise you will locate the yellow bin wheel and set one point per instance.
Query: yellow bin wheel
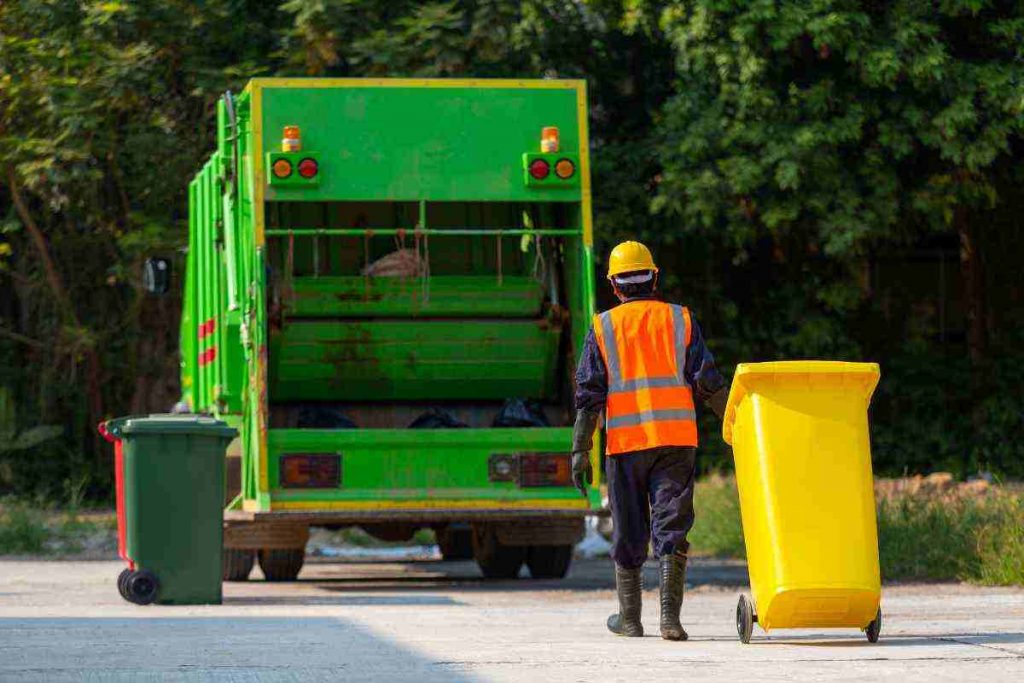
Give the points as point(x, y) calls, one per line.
point(745, 619)
point(874, 628)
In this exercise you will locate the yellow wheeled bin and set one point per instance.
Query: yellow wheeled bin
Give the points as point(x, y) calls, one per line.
point(799, 433)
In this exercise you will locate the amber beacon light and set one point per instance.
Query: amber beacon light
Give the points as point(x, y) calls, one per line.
point(549, 140)
point(291, 141)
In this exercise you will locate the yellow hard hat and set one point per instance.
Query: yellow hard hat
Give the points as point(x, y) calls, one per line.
point(629, 257)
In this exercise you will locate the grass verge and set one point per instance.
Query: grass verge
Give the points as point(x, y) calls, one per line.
point(32, 529)
point(979, 540)
point(717, 530)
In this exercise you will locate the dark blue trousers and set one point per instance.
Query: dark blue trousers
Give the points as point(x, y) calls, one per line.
point(651, 496)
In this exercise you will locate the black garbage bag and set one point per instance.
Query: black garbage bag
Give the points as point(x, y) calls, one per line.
point(517, 412)
point(435, 418)
point(321, 417)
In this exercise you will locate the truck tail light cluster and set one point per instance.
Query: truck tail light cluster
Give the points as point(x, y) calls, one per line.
point(293, 167)
point(531, 470)
point(544, 469)
point(552, 168)
point(310, 471)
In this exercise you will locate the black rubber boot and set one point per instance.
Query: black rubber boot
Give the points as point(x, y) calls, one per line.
point(630, 585)
point(673, 579)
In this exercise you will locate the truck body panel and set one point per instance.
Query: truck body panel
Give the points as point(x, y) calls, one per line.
point(284, 317)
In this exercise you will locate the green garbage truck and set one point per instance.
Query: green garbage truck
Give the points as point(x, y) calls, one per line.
point(387, 286)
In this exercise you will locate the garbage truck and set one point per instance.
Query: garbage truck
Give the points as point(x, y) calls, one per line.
point(387, 286)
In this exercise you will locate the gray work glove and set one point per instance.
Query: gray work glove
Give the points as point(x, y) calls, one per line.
point(718, 401)
point(582, 443)
point(582, 471)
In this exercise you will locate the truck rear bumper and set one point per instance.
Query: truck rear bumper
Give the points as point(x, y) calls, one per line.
point(424, 516)
point(290, 529)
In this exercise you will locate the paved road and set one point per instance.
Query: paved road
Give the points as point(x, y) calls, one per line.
point(430, 621)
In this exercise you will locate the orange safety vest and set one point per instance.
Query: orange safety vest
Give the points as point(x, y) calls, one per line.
point(649, 403)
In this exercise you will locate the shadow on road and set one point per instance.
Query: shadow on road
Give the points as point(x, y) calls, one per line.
point(934, 639)
point(190, 648)
point(585, 575)
point(438, 583)
point(350, 600)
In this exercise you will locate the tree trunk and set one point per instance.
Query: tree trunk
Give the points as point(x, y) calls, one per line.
point(53, 277)
point(93, 367)
point(974, 287)
point(977, 329)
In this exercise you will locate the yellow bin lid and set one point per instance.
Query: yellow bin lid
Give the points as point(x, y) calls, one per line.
point(747, 373)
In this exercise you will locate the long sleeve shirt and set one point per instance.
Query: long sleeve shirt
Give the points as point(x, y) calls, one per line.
point(592, 374)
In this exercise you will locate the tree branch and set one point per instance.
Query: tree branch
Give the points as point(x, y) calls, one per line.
point(53, 277)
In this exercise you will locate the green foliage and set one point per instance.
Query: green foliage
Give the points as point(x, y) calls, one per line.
point(969, 540)
point(717, 529)
point(844, 118)
point(22, 529)
point(772, 153)
point(35, 527)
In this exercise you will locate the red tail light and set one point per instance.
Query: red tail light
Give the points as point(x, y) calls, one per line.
point(544, 469)
point(308, 168)
point(540, 169)
point(310, 471)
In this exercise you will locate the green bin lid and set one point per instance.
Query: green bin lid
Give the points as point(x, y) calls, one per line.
point(178, 424)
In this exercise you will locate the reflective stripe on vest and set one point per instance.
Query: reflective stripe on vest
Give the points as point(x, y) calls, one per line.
point(649, 403)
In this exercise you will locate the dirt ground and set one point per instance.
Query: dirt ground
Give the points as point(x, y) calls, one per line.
point(439, 621)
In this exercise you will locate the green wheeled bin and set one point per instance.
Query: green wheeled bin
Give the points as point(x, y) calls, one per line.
point(169, 472)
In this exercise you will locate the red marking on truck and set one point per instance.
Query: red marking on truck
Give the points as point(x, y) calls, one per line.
point(207, 328)
point(208, 356)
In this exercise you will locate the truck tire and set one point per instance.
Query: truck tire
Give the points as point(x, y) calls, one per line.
point(496, 560)
point(455, 542)
point(282, 565)
point(549, 561)
point(237, 564)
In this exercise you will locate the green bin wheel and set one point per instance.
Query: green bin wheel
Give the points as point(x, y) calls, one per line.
point(496, 560)
point(238, 564)
point(141, 587)
point(549, 561)
point(874, 628)
point(744, 619)
point(282, 565)
point(122, 579)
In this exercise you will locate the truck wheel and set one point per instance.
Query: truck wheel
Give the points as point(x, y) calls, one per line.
point(282, 565)
point(237, 564)
point(455, 542)
point(496, 561)
point(141, 587)
point(549, 561)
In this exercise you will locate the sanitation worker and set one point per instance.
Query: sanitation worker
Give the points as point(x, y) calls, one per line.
point(644, 364)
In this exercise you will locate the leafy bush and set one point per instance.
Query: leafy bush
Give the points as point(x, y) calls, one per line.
point(717, 530)
point(22, 529)
point(979, 540)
